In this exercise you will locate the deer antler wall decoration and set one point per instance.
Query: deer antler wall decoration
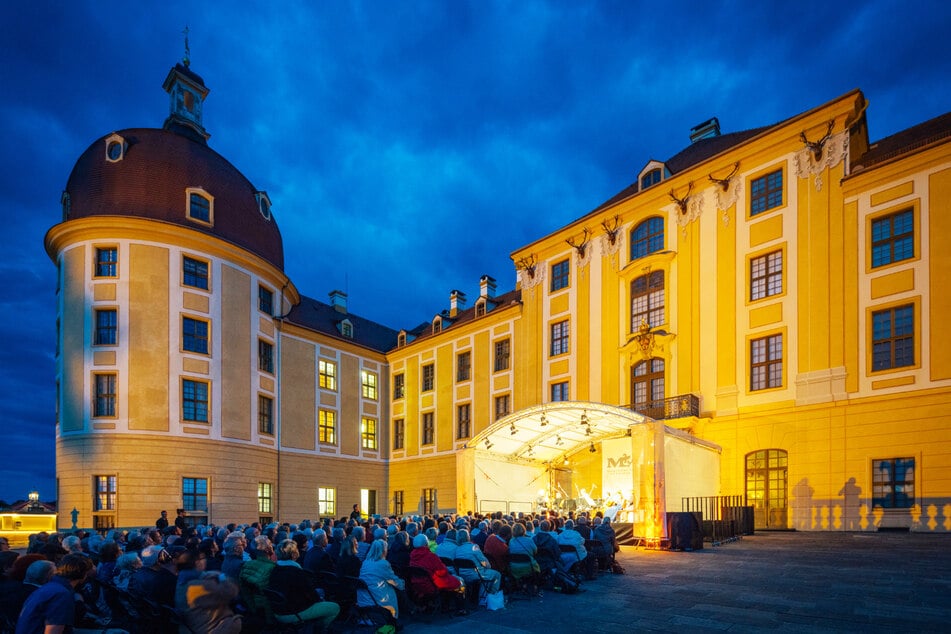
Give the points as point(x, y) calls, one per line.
point(527, 264)
point(816, 146)
point(612, 227)
point(724, 183)
point(581, 245)
point(682, 202)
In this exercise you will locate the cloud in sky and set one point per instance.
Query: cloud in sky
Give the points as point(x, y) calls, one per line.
point(408, 148)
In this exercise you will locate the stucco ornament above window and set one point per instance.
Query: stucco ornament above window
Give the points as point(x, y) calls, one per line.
point(819, 155)
point(727, 191)
point(530, 274)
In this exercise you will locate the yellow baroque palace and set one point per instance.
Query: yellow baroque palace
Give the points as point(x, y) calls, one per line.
point(758, 317)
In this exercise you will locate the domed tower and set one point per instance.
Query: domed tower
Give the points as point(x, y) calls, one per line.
point(170, 289)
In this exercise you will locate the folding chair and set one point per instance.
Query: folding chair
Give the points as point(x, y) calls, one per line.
point(526, 582)
point(480, 590)
point(574, 561)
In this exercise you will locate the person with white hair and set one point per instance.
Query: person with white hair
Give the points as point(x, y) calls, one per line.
point(481, 570)
point(382, 583)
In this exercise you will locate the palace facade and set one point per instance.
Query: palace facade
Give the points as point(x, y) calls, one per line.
point(770, 296)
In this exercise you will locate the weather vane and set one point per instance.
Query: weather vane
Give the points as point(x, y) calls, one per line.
point(187, 59)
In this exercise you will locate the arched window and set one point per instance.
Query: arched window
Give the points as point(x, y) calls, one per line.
point(647, 300)
point(647, 237)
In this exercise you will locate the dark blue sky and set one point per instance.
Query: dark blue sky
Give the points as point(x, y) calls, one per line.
point(408, 148)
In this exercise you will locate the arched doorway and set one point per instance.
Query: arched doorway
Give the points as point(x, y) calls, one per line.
point(766, 487)
point(647, 388)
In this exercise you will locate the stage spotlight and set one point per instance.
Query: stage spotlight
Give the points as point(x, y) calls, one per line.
point(512, 429)
point(488, 444)
point(592, 449)
point(584, 418)
point(587, 431)
point(558, 441)
point(542, 421)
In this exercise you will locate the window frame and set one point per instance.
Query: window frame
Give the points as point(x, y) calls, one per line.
point(105, 397)
point(891, 212)
point(428, 429)
point(559, 338)
point(369, 382)
point(503, 354)
point(265, 356)
point(644, 245)
point(768, 363)
point(398, 503)
point(265, 415)
point(327, 427)
point(327, 375)
point(107, 504)
point(767, 195)
point(265, 300)
point(192, 341)
point(191, 500)
point(399, 434)
point(399, 386)
point(464, 366)
point(914, 304)
point(106, 334)
point(880, 484)
point(326, 501)
point(503, 406)
point(265, 498)
point(192, 194)
point(428, 380)
point(368, 433)
point(560, 275)
point(767, 276)
point(560, 391)
point(193, 406)
point(650, 293)
point(104, 267)
point(463, 421)
point(192, 276)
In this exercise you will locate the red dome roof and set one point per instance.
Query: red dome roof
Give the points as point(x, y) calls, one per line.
point(151, 179)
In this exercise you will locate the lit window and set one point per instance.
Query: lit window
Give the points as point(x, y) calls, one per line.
point(106, 327)
point(501, 406)
point(559, 391)
point(893, 483)
point(560, 275)
point(105, 499)
point(104, 401)
point(107, 262)
point(265, 356)
point(502, 349)
point(429, 377)
point(463, 413)
point(650, 178)
point(766, 362)
point(327, 427)
point(399, 386)
point(766, 192)
point(647, 238)
point(429, 428)
point(327, 372)
point(399, 433)
point(647, 300)
point(195, 500)
point(893, 338)
point(463, 366)
point(265, 415)
point(194, 273)
point(368, 433)
point(368, 383)
point(194, 401)
point(326, 501)
point(265, 300)
point(199, 207)
point(264, 498)
point(559, 338)
point(398, 503)
point(766, 275)
point(195, 335)
point(893, 238)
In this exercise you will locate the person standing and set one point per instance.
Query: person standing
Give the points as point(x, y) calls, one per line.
point(355, 513)
point(162, 522)
point(180, 520)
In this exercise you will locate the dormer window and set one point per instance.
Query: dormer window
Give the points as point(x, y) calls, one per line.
point(480, 308)
point(650, 178)
point(401, 339)
point(200, 205)
point(115, 148)
point(264, 204)
point(346, 328)
point(437, 325)
point(653, 173)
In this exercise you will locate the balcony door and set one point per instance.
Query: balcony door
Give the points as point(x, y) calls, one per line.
point(647, 388)
point(767, 488)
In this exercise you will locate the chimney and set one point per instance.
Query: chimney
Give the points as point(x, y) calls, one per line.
point(708, 129)
point(338, 299)
point(487, 286)
point(457, 302)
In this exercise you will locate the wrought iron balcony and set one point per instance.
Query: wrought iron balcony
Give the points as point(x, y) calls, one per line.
point(680, 406)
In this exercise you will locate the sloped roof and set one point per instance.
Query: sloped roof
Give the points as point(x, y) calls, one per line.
point(324, 318)
point(425, 331)
point(917, 136)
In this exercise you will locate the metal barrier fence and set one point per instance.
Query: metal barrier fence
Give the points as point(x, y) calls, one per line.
point(725, 517)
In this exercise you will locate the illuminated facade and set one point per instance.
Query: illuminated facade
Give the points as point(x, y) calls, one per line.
point(773, 294)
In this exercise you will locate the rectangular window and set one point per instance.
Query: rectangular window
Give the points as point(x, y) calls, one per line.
point(265, 356)
point(429, 428)
point(463, 413)
point(368, 383)
point(647, 301)
point(107, 262)
point(766, 362)
point(105, 499)
point(463, 366)
point(264, 498)
point(501, 406)
point(429, 377)
point(107, 327)
point(893, 338)
point(194, 335)
point(326, 501)
point(368, 433)
point(559, 338)
point(560, 273)
point(399, 433)
point(195, 500)
point(559, 391)
point(397, 503)
point(104, 401)
point(893, 483)
point(429, 501)
point(265, 415)
point(893, 238)
point(265, 300)
point(327, 372)
point(766, 192)
point(766, 275)
point(199, 207)
point(501, 355)
point(399, 386)
point(194, 273)
point(194, 401)
point(327, 427)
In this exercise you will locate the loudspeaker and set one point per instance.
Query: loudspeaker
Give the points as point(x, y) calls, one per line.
point(684, 531)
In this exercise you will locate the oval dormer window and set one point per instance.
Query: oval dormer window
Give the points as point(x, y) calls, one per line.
point(115, 148)
point(264, 204)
